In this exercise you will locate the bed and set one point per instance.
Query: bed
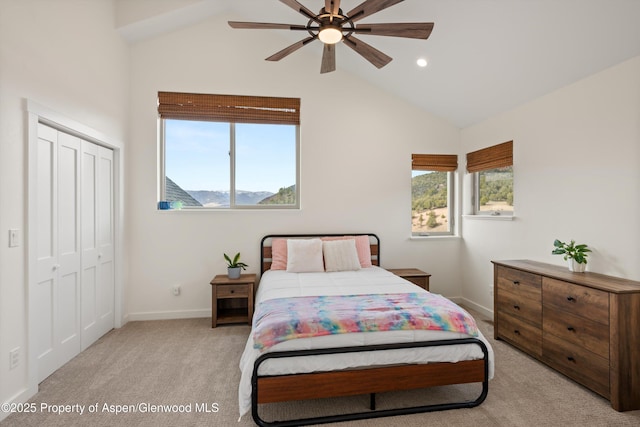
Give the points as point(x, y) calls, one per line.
point(314, 358)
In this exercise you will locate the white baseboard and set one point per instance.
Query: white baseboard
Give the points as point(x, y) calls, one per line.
point(477, 307)
point(20, 397)
point(166, 315)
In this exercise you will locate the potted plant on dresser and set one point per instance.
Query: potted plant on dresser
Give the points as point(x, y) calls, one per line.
point(234, 266)
point(575, 254)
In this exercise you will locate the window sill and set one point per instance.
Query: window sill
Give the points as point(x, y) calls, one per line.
point(489, 217)
point(437, 237)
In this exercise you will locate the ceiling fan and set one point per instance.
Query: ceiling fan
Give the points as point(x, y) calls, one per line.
point(331, 25)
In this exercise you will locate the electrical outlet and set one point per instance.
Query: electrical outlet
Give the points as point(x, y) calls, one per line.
point(491, 290)
point(14, 358)
point(14, 238)
point(176, 290)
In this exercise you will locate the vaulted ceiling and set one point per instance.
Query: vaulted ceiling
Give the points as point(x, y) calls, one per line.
point(484, 56)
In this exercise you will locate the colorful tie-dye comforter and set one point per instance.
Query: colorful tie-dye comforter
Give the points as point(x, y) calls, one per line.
point(282, 319)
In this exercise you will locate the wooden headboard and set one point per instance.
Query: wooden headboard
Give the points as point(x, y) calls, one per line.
point(265, 246)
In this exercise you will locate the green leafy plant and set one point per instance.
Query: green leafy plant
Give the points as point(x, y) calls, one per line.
point(235, 262)
point(571, 251)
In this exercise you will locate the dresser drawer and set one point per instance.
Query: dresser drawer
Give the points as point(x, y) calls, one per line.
point(582, 332)
point(577, 363)
point(232, 291)
point(575, 299)
point(522, 334)
point(518, 306)
point(526, 285)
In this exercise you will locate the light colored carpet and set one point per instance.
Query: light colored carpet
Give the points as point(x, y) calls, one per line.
point(185, 362)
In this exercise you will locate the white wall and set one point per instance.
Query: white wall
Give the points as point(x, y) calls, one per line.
point(356, 152)
point(576, 176)
point(356, 147)
point(81, 74)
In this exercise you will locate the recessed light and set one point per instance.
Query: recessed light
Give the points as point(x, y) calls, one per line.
point(422, 62)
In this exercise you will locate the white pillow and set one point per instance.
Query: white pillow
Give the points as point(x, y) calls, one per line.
point(340, 255)
point(304, 255)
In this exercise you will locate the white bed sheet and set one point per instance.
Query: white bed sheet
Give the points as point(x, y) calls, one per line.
point(280, 284)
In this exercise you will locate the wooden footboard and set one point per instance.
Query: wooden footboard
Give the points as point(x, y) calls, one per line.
point(281, 388)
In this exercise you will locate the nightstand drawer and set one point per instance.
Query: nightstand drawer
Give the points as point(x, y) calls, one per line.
point(233, 291)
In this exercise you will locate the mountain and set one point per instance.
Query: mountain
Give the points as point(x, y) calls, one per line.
point(429, 191)
point(284, 196)
point(221, 198)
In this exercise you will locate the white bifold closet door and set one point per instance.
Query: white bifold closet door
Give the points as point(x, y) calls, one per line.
point(97, 290)
point(73, 294)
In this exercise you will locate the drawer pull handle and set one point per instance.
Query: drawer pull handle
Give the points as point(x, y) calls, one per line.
point(571, 359)
point(571, 299)
point(571, 328)
point(515, 282)
point(232, 291)
point(517, 332)
point(517, 307)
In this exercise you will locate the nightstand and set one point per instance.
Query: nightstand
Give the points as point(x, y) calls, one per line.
point(232, 299)
point(413, 275)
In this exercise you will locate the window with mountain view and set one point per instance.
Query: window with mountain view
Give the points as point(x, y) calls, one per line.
point(228, 152)
point(494, 189)
point(492, 169)
point(432, 208)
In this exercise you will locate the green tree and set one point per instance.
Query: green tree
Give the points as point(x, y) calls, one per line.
point(432, 222)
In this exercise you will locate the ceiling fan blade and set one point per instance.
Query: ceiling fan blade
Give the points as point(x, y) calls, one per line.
point(300, 9)
point(332, 6)
point(369, 53)
point(328, 59)
point(265, 25)
point(369, 7)
point(409, 30)
point(288, 50)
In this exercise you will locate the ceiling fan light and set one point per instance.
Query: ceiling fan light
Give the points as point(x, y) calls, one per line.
point(330, 35)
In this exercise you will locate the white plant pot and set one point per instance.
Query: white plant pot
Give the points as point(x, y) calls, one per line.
point(234, 273)
point(575, 266)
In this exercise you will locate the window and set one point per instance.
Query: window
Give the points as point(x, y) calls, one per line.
point(492, 170)
point(432, 183)
point(223, 151)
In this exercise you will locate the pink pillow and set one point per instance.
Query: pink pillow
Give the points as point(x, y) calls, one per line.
point(279, 254)
point(279, 251)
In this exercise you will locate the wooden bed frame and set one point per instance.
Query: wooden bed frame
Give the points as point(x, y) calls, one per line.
point(283, 388)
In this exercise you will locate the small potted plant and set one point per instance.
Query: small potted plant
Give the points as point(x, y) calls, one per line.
point(234, 266)
point(575, 254)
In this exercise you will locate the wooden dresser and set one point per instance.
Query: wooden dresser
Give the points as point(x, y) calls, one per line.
point(584, 325)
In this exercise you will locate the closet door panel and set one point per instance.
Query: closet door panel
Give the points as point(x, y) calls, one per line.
point(105, 234)
point(89, 243)
point(42, 292)
point(97, 242)
point(67, 292)
point(56, 293)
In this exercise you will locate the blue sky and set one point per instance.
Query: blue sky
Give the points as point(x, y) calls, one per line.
point(197, 155)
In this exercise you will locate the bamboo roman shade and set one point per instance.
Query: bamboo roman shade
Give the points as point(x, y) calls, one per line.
point(497, 156)
point(434, 162)
point(229, 108)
